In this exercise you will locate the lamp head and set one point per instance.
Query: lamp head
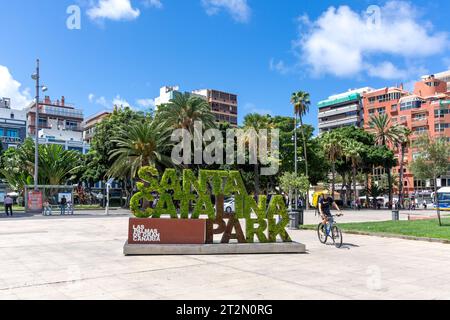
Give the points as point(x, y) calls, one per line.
point(44, 89)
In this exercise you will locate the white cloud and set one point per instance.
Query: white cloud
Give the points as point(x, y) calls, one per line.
point(11, 88)
point(146, 103)
point(153, 4)
point(344, 43)
point(120, 102)
point(239, 9)
point(279, 67)
point(114, 10)
point(100, 100)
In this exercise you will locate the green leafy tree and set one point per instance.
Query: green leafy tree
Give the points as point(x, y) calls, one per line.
point(332, 145)
point(353, 151)
point(404, 142)
point(139, 145)
point(289, 182)
point(184, 110)
point(257, 122)
point(56, 165)
point(97, 161)
point(432, 161)
point(386, 134)
point(301, 102)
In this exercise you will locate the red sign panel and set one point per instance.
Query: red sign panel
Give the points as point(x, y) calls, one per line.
point(34, 201)
point(166, 231)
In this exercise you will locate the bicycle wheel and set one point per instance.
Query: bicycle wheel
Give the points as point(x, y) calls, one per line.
point(322, 233)
point(337, 236)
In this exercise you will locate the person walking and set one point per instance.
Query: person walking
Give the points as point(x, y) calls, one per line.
point(8, 205)
point(63, 205)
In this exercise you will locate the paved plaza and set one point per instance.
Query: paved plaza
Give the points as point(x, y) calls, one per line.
point(81, 258)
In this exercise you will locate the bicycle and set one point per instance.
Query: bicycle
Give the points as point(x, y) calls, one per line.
point(330, 230)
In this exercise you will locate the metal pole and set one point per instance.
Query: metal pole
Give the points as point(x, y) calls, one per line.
point(296, 158)
point(36, 131)
point(107, 199)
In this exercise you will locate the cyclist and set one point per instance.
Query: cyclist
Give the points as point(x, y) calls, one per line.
point(325, 204)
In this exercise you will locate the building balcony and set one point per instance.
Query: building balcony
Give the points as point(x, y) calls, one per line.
point(339, 122)
point(341, 110)
point(420, 123)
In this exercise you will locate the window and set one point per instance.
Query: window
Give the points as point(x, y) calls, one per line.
point(419, 117)
point(11, 133)
point(1, 132)
point(440, 127)
point(12, 115)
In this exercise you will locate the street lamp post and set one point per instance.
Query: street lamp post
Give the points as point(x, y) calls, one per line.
point(36, 77)
point(36, 129)
point(296, 158)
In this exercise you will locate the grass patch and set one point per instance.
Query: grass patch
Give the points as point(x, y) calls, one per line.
point(417, 228)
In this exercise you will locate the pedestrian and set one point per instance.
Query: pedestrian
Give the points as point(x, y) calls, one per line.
point(63, 205)
point(8, 205)
point(47, 208)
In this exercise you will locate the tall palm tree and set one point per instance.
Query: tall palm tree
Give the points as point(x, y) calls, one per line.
point(184, 110)
point(353, 150)
point(139, 145)
point(56, 165)
point(301, 102)
point(333, 148)
point(404, 143)
point(388, 135)
point(257, 122)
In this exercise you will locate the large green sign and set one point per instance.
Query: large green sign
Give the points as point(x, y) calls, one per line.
point(194, 197)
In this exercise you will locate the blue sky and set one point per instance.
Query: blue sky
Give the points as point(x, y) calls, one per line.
point(262, 50)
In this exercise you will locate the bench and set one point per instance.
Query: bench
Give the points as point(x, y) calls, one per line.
point(47, 211)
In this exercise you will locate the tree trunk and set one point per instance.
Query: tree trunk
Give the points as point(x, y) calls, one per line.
point(354, 186)
point(343, 192)
point(401, 183)
point(306, 161)
point(333, 177)
point(389, 176)
point(367, 190)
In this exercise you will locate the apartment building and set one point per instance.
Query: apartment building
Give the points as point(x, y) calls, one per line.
point(13, 125)
point(223, 105)
point(54, 113)
point(444, 76)
point(91, 123)
point(342, 110)
point(424, 111)
point(59, 123)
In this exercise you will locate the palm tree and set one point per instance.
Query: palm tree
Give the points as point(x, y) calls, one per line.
point(333, 148)
point(386, 134)
point(184, 110)
point(139, 145)
point(353, 150)
point(257, 122)
point(56, 165)
point(404, 143)
point(301, 102)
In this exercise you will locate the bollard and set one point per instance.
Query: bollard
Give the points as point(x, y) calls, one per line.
point(395, 215)
point(301, 220)
point(294, 220)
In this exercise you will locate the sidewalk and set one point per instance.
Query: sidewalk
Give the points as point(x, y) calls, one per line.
point(77, 214)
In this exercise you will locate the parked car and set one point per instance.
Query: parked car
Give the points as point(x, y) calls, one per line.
point(229, 205)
